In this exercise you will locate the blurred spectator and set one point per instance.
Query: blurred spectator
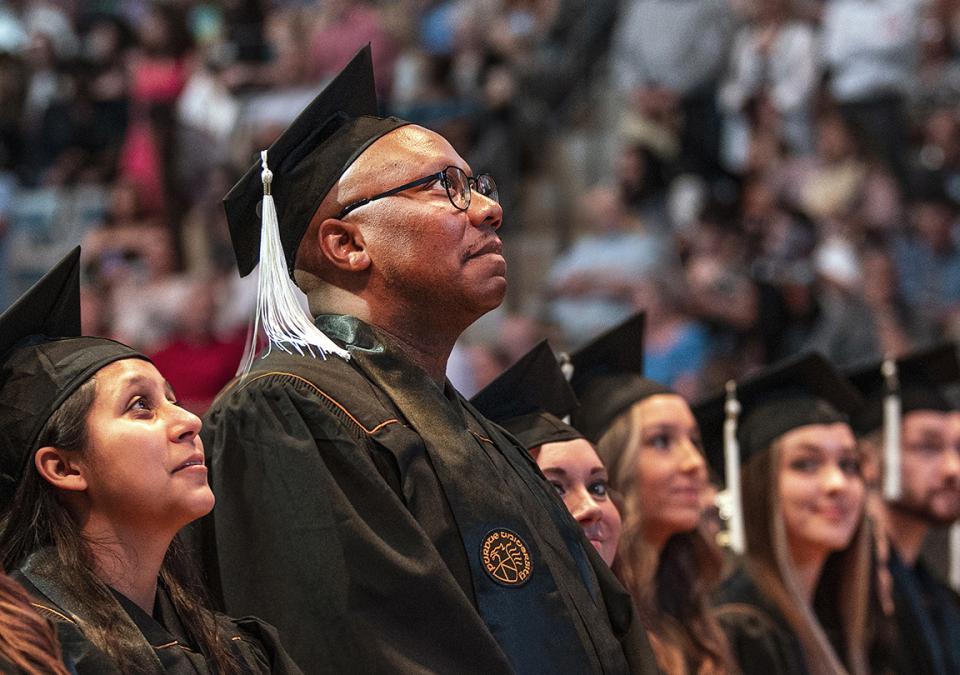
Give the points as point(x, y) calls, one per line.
point(195, 361)
point(772, 80)
point(592, 285)
point(927, 254)
point(871, 51)
point(666, 61)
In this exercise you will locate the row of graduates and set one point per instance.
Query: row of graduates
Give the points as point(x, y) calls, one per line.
point(820, 570)
point(830, 580)
point(385, 524)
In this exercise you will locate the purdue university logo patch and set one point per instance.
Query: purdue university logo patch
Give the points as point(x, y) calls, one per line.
point(505, 558)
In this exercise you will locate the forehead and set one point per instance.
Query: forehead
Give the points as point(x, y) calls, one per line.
point(573, 456)
point(401, 153)
point(114, 377)
point(925, 421)
point(836, 437)
point(665, 409)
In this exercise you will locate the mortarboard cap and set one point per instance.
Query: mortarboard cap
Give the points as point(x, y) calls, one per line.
point(307, 160)
point(608, 377)
point(43, 360)
point(530, 398)
point(805, 389)
point(921, 377)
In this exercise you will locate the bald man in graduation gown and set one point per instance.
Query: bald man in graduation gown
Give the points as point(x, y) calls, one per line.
point(363, 506)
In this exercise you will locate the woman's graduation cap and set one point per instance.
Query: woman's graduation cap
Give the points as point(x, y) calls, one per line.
point(43, 360)
point(304, 164)
point(607, 376)
point(751, 414)
point(892, 388)
point(530, 399)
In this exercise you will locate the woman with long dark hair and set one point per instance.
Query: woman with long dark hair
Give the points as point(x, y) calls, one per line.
point(101, 468)
point(798, 604)
point(650, 443)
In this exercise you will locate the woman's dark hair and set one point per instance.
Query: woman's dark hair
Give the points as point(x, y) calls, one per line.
point(37, 518)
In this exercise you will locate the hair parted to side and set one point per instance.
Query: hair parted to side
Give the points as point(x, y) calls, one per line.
point(37, 518)
point(672, 589)
point(845, 575)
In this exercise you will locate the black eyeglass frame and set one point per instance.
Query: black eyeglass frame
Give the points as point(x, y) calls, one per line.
point(472, 183)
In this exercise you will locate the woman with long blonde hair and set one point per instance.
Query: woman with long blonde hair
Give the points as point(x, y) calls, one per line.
point(798, 603)
point(649, 442)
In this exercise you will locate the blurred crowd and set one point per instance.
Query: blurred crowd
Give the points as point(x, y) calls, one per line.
point(761, 176)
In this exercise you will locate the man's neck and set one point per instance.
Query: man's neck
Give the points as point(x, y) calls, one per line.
point(418, 335)
point(429, 352)
point(906, 531)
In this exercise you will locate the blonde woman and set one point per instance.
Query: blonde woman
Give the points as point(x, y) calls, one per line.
point(798, 604)
point(649, 441)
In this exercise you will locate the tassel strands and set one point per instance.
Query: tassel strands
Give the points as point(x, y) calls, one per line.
point(279, 315)
point(891, 432)
point(731, 451)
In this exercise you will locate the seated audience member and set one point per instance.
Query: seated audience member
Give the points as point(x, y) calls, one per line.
point(100, 470)
point(798, 604)
point(924, 494)
point(650, 443)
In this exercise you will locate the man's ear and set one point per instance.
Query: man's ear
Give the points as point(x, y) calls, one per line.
point(60, 468)
point(342, 244)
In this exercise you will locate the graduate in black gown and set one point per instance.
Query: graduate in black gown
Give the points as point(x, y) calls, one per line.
point(99, 469)
point(649, 441)
point(363, 506)
point(925, 611)
point(798, 604)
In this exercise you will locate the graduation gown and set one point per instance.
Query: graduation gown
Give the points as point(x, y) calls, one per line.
point(926, 620)
point(384, 526)
point(760, 638)
point(160, 642)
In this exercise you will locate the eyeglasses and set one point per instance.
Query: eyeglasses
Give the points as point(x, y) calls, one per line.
point(457, 183)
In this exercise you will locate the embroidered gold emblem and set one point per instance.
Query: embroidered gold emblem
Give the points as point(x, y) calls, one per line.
point(505, 558)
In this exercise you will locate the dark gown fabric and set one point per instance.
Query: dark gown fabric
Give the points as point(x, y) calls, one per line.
point(356, 502)
point(160, 642)
point(926, 620)
point(760, 637)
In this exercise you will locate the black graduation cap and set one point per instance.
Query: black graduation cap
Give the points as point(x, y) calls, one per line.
point(801, 390)
point(43, 360)
point(529, 399)
point(307, 160)
point(608, 377)
point(921, 377)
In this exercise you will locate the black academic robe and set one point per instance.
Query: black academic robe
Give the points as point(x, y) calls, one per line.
point(160, 642)
point(760, 638)
point(926, 620)
point(384, 526)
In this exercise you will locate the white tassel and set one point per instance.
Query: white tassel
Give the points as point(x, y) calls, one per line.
point(279, 315)
point(566, 365)
point(736, 535)
point(891, 432)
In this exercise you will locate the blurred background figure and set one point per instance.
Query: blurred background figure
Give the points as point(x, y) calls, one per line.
point(737, 168)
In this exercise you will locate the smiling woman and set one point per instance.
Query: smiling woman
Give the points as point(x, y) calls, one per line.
point(799, 602)
point(101, 469)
